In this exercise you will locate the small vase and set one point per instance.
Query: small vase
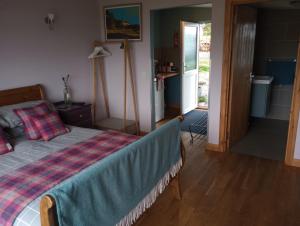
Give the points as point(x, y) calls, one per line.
point(67, 96)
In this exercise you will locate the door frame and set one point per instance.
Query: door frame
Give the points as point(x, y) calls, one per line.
point(226, 87)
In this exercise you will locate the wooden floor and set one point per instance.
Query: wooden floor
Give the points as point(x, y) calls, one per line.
point(229, 190)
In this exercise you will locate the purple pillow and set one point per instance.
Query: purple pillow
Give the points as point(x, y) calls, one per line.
point(32, 133)
point(49, 125)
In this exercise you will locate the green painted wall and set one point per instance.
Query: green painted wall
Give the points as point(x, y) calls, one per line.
point(170, 21)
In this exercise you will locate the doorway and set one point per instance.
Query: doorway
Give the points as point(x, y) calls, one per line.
point(250, 86)
point(204, 64)
point(176, 39)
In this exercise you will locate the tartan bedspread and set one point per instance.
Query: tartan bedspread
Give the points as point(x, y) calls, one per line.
point(24, 185)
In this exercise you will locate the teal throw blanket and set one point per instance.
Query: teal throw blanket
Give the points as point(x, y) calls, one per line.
point(104, 193)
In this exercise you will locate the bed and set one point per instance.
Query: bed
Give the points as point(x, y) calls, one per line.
point(126, 172)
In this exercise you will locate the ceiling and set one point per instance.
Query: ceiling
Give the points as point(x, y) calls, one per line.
point(278, 4)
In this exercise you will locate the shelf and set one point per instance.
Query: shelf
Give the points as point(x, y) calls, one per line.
point(164, 75)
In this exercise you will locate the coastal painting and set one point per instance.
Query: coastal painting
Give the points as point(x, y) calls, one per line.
point(123, 22)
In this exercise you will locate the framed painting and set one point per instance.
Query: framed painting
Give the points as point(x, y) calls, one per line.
point(123, 22)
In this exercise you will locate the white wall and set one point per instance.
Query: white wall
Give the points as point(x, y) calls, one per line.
point(142, 58)
point(218, 15)
point(30, 53)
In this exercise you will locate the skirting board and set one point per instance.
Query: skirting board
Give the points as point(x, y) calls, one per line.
point(295, 163)
point(213, 147)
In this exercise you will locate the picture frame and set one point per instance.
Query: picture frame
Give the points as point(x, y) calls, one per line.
point(123, 22)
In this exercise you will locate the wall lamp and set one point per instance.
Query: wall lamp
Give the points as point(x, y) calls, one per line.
point(49, 19)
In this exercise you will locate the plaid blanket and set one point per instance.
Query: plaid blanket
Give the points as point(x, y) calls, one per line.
point(24, 185)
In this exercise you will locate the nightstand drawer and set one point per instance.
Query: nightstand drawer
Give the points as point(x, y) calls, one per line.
point(79, 115)
point(76, 115)
point(85, 124)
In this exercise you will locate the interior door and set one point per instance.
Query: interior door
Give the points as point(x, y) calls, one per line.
point(244, 33)
point(189, 83)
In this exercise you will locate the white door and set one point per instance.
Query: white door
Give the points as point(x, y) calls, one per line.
point(189, 83)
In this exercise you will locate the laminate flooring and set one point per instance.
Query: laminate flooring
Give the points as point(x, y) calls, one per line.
point(229, 189)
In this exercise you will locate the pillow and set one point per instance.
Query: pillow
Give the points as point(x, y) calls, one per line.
point(3, 123)
point(29, 127)
point(5, 146)
point(8, 118)
point(15, 132)
point(49, 125)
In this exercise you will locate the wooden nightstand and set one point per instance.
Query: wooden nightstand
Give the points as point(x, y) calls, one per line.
point(79, 114)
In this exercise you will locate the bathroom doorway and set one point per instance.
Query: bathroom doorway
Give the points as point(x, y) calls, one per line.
point(262, 79)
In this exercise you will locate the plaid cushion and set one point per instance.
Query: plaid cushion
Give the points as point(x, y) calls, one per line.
point(49, 125)
point(32, 133)
point(5, 146)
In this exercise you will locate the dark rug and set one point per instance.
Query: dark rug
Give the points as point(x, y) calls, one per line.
point(196, 120)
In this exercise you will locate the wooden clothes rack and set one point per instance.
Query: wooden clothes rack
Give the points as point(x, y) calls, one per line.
point(127, 68)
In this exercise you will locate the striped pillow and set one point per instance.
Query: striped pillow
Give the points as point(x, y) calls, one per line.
point(49, 125)
point(31, 132)
point(5, 146)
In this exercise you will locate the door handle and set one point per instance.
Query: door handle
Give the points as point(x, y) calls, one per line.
point(251, 77)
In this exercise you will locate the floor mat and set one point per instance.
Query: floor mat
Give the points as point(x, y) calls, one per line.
point(197, 119)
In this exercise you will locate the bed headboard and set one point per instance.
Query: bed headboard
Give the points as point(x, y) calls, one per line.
point(23, 94)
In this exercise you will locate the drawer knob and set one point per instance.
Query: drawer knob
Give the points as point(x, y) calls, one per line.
point(80, 116)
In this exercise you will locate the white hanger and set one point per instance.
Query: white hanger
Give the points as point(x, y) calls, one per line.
point(99, 51)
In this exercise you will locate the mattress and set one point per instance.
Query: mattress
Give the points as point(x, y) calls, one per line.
point(26, 152)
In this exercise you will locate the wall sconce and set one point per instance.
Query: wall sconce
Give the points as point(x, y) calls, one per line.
point(49, 19)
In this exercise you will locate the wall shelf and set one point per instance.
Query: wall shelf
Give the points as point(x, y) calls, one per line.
point(165, 75)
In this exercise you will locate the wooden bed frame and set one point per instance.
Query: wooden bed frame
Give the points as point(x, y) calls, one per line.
point(23, 94)
point(47, 205)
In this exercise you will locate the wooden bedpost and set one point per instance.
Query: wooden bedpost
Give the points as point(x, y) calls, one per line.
point(47, 211)
point(182, 148)
point(175, 183)
point(176, 186)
